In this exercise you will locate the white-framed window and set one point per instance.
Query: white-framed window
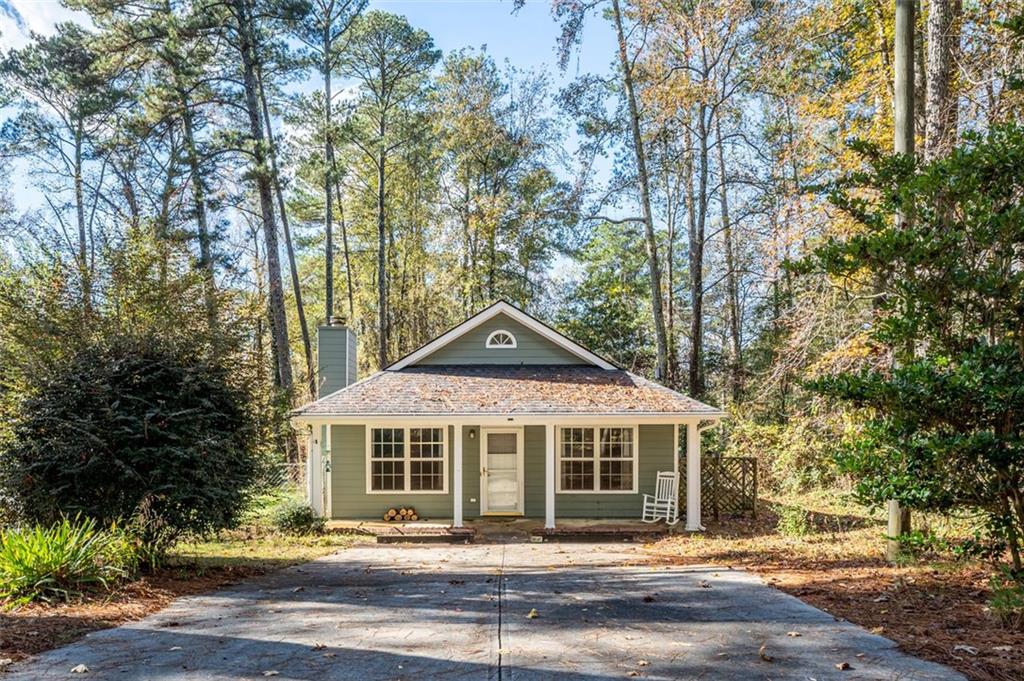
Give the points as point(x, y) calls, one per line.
point(406, 459)
point(600, 459)
point(501, 340)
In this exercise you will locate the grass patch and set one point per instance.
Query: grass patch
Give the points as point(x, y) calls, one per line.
point(246, 549)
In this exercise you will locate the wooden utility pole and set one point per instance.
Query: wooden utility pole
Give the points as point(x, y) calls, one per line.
point(903, 114)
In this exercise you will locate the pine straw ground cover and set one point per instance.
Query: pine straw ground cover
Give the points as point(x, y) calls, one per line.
point(933, 608)
point(191, 568)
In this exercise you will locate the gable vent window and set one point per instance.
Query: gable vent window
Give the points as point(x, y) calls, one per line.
point(501, 339)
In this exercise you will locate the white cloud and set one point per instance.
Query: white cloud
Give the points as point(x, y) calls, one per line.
point(18, 18)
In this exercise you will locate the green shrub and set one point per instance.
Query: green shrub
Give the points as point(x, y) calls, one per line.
point(794, 522)
point(139, 429)
point(56, 562)
point(1007, 600)
point(296, 517)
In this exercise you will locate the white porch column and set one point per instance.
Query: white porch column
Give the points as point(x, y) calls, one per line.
point(693, 477)
point(314, 472)
point(549, 476)
point(457, 478)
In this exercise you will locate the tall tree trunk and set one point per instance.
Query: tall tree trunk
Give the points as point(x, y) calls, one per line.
point(653, 265)
point(264, 188)
point(199, 199)
point(940, 104)
point(329, 165)
point(903, 115)
point(288, 247)
point(731, 279)
point(84, 270)
point(382, 272)
point(696, 369)
point(350, 289)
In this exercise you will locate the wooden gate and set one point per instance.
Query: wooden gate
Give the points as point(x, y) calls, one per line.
point(729, 486)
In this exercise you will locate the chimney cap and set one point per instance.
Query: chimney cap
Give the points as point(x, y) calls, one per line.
point(336, 320)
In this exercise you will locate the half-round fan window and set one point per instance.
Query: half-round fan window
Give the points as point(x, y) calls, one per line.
point(501, 339)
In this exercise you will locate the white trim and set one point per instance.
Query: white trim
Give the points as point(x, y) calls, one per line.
point(549, 476)
point(327, 472)
point(693, 501)
point(501, 307)
point(490, 345)
point(314, 469)
point(520, 460)
point(407, 458)
point(635, 459)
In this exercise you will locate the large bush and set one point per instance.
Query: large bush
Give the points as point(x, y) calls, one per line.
point(943, 404)
point(138, 428)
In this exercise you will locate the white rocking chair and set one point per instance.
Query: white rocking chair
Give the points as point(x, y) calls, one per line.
point(664, 505)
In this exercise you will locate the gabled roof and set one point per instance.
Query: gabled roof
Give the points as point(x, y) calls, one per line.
point(502, 307)
point(514, 390)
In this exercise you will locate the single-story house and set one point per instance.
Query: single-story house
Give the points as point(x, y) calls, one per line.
point(501, 415)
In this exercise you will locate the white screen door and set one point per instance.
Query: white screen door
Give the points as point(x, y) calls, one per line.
point(502, 471)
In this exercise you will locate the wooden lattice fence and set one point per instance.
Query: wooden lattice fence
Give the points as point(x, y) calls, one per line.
point(728, 486)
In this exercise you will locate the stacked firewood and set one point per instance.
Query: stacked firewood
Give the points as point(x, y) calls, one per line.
point(396, 514)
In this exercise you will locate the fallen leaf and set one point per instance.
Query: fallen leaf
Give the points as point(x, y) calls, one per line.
point(504, 651)
point(632, 672)
point(970, 650)
point(532, 615)
point(271, 672)
point(1000, 649)
point(319, 646)
point(642, 663)
point(705, 584)
point(649, 598)
point(843, 666)
point(793, 634)
point(763, 653)
point(298, 589)
point(80, 669)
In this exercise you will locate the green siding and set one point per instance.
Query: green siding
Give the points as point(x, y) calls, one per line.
point(533, 475)
point(348, 478)
point(532, 348)
point(348, 482)
point(470, 472)
point(654, 454)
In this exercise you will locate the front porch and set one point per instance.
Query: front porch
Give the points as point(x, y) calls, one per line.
point(504, 466)
point(503, 530)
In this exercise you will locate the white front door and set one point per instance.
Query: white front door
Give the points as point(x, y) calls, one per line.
point(501, 471)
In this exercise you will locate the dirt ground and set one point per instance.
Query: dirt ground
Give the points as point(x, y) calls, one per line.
point(192, 568)
point(34, 628)
point(935, 609)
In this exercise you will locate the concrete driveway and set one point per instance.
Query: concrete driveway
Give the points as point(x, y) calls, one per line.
point(426, 612)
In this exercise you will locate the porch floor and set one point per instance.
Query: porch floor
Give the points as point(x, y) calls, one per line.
point(500, 530)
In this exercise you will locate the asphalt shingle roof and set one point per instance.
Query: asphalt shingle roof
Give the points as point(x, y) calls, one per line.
point(486, 389)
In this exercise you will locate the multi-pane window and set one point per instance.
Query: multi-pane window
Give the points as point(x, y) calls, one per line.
point(426, 455)
point(597, 459)
point(387, 459)
point(407, 460)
